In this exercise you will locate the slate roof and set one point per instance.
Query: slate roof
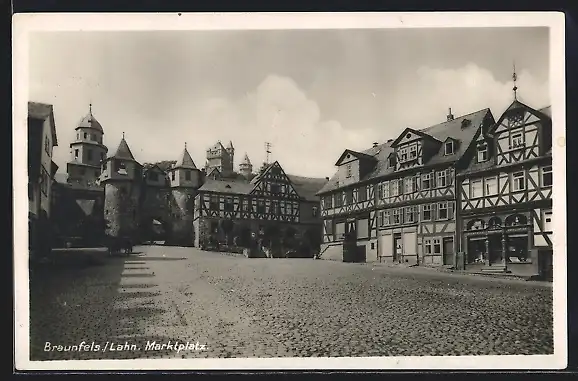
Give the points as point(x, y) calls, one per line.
point(42, 111)
point(185, 161)
point(307, 187)
point(123, 151)
point(225, 186)
point(89, 121)
point(441, 132)
point(246, 160)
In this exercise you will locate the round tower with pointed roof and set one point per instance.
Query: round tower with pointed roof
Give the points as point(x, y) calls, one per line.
point(122, 181)
point(185, 179)
point(87, 151)
point(245, 167)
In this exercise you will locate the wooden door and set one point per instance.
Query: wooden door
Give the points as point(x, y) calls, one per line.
point(448, 251)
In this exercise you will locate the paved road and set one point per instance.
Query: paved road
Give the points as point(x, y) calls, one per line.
point(229, 306)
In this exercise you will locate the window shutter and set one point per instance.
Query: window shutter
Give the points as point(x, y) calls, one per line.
point(451, 210)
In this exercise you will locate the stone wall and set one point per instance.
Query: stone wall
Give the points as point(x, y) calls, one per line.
point(121, 208)
point(182, 206)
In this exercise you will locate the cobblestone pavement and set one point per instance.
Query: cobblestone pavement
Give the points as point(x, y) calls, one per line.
point(239, 307)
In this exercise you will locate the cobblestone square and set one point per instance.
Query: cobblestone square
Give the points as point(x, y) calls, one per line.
point(208, 305)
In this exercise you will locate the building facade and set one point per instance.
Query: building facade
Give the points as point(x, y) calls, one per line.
point(281, 208)
point(505, 195)
point(42, 139)
point(397, 200)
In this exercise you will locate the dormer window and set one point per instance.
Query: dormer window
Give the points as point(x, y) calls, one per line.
point(348, 171)
point(449, 148)
point(482, 153)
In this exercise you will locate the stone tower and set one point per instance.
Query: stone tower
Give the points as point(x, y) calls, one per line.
point(246, 168)
point(185, 180)
point(87, 151)
point(122, 181)
point(220, 158)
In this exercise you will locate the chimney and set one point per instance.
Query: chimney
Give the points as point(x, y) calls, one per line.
point(375, 144)
point(450, 115)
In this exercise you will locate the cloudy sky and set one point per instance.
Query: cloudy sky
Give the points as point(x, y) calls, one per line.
point(310, 93)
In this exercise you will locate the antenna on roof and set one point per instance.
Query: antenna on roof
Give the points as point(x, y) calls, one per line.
point(515, 78)
point(267, 151)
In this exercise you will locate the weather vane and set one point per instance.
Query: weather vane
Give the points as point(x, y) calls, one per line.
point(515, 78)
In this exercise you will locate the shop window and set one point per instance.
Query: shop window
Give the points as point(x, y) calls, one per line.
point(517, 250)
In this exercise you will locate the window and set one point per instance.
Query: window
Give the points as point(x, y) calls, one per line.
point(426, 181)
point(482, 153)
point(245, 205)
point(449, 148)
point(412, 152)
point(289, 209)
point(348, 171)
point(349, 197)
point(403, 154)
point(394, 188)
point(275, 207)
point(187, 175)
point(338, 199)
point(408, 185)
point(491, 186)
point(476, 189)
point(85, 135)
point(261, 206)
point(397, 216)
point(77, 135)
point(328, 202)
point(427, 246)
point(362, 194)
point(547, 176)
point(518, 181)
point(173, 175)
point(517, 140)
point(400, 186)
point(314, 211)
point(214, 205)
point(441, 179)
point(89, 154)
point(229, 207)
point(410, 214)
point(426, 209)
point(548, 225)
point(437, 247)
point(415, 181)
point(76, 153)
point(442, 211)
point(384, 192)
point(384, 217)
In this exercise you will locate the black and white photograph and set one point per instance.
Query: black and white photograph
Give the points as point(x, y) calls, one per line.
point(290, 191)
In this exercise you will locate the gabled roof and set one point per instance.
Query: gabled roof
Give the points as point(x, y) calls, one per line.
point(43, 111)
point(517, 105)
point(218, 145)
point(411, 130)
point(359, 155)
point(452, 128)
point(212, 170)
point(185, 161)
point(246, 160)
point(123, 151)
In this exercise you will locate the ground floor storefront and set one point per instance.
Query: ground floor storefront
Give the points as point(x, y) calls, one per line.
point(504, 242)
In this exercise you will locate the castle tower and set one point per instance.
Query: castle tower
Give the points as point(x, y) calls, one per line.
point(246, 168)
point(185, 180)
point(220, 158)
point(87, 151)
point(122, 180)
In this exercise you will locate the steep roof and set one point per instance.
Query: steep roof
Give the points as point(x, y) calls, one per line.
point(307, 187)
point(246, 160)
point(43, 111)
point(123, 151)
point(226, 186)
point(230, 144)
point(546, 111)
point(452, 128)
point(218, 145)
point(185, 161)
point(89, 121)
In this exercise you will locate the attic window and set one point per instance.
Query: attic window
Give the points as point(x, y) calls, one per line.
point(408, 136)
point(348, 156)
point(466, 123)
point(449, 148)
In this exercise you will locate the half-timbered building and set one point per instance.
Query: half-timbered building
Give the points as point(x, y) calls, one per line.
point(398, 199)
point(273, 204)
point(505, 194)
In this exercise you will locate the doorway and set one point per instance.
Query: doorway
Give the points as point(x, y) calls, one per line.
point(397, 247)
point(495, 246)
point(448, 252)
